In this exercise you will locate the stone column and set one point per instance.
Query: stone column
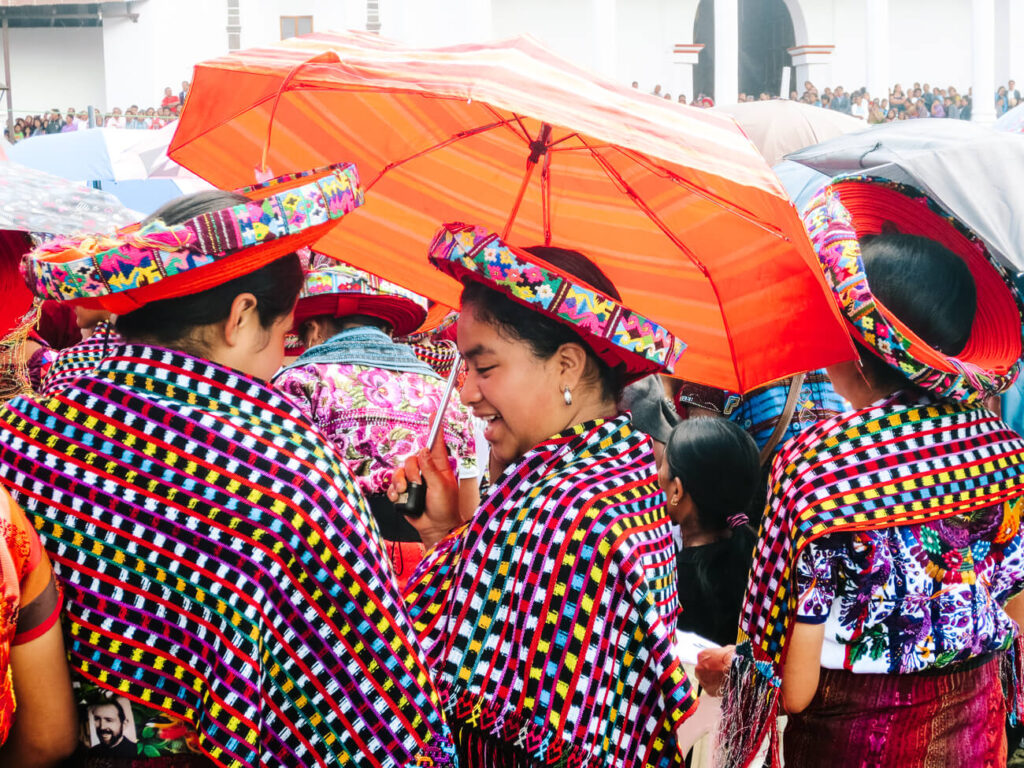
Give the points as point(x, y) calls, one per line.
point(604, 56)
point(876, 35)
point(686, 56)
point(983, 75)
point(812, 63)
point(727, 52)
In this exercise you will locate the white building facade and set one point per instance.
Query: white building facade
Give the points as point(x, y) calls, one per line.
point(123, 53)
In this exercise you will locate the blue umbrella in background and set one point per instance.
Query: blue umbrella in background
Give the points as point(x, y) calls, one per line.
point(801, 182)
point(129, 164)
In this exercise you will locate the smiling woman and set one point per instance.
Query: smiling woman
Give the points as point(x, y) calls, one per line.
point(548, 619)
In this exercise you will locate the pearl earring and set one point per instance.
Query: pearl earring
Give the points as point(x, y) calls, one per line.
point(567, 395)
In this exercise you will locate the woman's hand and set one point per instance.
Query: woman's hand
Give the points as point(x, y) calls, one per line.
point(713, 666)
point(442, 499)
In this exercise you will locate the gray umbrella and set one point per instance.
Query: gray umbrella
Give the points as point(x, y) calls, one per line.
point(973, 172)
point(34, 201)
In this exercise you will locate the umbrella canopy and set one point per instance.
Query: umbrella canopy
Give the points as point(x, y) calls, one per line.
point(132, 165)
point(972, 171)
point(97, 154)
point(673, 203)
point(33, 201)
point(1012, 121)
point(801, 182)
point(780, 126)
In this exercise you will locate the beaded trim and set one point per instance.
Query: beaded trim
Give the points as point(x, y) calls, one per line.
point(464, 251)
point(88, 267)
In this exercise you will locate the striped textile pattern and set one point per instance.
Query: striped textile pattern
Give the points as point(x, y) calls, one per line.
point(220, 566)
point(548, 620)
point(898, 463)
point(81, 358)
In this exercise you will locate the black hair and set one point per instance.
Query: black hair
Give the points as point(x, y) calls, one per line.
point(112, 703)
point(338, 324)
point(276, 285)
point(927, 286)
point(718, 465)
point(544, 335)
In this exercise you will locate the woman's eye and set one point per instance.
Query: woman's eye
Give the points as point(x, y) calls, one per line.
point(484, 370)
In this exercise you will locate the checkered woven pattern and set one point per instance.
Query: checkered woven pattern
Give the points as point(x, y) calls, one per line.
point(81, 358)
point(549, 620)
point(220, 566)
point(893, 464)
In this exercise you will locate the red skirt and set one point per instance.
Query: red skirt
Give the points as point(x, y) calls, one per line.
point(955, 719)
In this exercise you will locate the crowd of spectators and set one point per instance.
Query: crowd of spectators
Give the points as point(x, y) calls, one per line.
point(702, 100)
point(151, 118)
point(916, 102)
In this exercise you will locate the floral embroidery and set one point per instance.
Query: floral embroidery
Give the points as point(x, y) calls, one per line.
point(907, 598)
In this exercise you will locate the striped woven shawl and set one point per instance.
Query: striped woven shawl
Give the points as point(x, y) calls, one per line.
point(549, 619)
point(81, 358)
point(220, 566)
point(902, 462)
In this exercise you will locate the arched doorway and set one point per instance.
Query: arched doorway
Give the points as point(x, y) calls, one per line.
point(766, 34)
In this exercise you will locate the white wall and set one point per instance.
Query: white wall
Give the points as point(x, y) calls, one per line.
point(648, 30)
point(161, 48)
point(564, 26)
point(261, 19)
point(931, 43)
point(171, 36)
point(53, 67)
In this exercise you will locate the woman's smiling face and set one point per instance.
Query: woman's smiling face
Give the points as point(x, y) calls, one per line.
point(510, 388)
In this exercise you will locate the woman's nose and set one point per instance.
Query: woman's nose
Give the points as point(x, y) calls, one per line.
point(470, 392)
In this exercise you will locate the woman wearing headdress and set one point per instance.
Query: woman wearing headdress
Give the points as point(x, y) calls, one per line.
point(883, 604)
point(548, 619)
point(227, 600)
point(372, 397)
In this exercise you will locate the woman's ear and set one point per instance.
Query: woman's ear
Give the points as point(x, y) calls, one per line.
point(571, 359)
point(675, 492)
point(240, 319)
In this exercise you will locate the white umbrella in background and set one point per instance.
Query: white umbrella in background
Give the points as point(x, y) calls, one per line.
point(780, 126)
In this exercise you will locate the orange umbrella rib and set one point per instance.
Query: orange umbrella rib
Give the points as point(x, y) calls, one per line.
point(673, 203)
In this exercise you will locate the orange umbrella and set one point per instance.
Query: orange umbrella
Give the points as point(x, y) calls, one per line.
point(674, 203)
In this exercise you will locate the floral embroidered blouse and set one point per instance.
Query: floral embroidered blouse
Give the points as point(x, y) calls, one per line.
point(377, 417)
point(907, 598)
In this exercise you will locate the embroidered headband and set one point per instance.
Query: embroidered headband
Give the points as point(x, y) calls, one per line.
point(338, 289)
point(140, 264)
point(618, 335)
point(852, 208)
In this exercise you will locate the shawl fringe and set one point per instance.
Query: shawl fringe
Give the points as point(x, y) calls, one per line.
point(750, 709)
point(487, 737)
point(1012, 672)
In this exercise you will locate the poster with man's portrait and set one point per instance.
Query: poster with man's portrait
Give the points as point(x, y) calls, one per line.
point(112, 728)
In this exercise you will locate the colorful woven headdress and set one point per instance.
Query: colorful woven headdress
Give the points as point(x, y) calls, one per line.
point(855, 207)
point(338, 289)
point(618, 335)
point(141, 264)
